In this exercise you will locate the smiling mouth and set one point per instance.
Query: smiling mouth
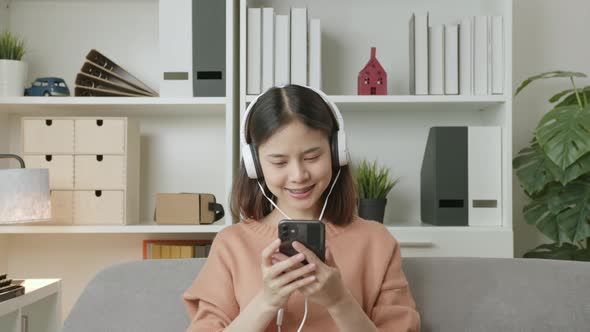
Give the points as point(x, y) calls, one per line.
point(300, 191)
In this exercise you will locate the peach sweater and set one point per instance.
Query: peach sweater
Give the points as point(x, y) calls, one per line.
point(366, 253)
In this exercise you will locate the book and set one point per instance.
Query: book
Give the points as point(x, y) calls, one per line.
point(419, 54)
point(299, 46)
point(164, 248)
point(451, 58)
point(480, 55)
point(436, 62)
point(466, 56)
point(254, 51)
point(268, 48)
point(282, 50)
point(497, 45)
point(315, 54)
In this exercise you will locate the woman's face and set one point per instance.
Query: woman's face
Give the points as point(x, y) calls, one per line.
point(297, 168)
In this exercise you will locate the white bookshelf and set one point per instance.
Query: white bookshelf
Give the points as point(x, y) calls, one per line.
point(185, 140)
point(393, 128)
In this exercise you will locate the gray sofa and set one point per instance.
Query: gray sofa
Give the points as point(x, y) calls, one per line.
point(452, 294)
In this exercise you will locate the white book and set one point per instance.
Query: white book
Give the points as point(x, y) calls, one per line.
point(497, 55)
point(315, 54)
point(466, 57)
point(484, 154)
point(480, 55)
point(268, 48)
point(419, 54)
point(176, 48)
point(282, 50)
point(253, 52)
point(436, 61)
point(299, 46)
point(451, 45)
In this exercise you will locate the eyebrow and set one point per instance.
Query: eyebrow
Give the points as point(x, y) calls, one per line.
point(310, 150)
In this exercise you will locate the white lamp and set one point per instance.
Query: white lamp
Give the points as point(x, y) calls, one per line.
point(24, 194)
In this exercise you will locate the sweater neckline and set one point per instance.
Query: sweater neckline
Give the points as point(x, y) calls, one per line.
point(271, 232)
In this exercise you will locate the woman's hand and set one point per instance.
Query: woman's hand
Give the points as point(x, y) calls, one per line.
point(283, 278)
point(328, 289)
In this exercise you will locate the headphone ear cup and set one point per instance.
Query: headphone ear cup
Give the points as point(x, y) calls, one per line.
point(334, 152)
point(249, 163)
point(255, 161)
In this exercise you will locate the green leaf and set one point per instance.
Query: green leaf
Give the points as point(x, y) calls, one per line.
point(574, 171)
point(571, 99)
point(537, 212)
point(372, 180)
point(11, 48)
point(564, 134)
point(566, 251)
point(558, 96)
point(533, 169)
point(551, 74)
point(573, 206)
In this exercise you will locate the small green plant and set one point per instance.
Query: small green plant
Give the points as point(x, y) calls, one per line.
point(373, 181)
point(11, 48)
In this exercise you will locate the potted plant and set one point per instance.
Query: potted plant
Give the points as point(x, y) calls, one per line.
point(373, 183)
point(13, 70)
point(554, 172)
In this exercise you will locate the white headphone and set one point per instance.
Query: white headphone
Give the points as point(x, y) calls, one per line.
point(338, 147)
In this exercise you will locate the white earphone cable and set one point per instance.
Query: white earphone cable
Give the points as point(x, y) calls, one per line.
point(281, 311)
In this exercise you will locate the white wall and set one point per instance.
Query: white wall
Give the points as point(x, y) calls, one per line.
point(548, 35)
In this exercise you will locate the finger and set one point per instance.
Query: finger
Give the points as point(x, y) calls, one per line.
point(295, 274)
point(289, 288)
point(310, 255)
point(281, 257)
point(280, 267)
point(268, 251)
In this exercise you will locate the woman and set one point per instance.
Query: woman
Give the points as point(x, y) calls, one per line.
point(295, 165)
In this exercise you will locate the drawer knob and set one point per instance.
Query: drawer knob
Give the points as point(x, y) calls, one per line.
point(99, 123)
point(98, 193)
point(48, 122)
point(48, 157)
point(99, 157)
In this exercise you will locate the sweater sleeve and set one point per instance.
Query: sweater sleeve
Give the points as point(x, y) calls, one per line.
point(395, 309)
point(210, 300)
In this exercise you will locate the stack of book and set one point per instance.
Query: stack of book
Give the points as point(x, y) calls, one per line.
point(170, 249)
point(101, 76)
point(450, 59)
point(279, 47)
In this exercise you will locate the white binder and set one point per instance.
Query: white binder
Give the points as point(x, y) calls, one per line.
point(299, 46)
point(282, 50)
point(176, 48)
point(484, 175)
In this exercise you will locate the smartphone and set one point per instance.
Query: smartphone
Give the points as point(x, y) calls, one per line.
point(310, 233)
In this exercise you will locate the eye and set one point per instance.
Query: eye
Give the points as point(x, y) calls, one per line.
point(312, 158)
point(279, 163)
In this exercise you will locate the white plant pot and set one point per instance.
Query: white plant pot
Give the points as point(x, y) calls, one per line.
point(13, 74)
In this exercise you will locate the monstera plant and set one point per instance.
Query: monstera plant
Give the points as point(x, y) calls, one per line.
point(554, 172)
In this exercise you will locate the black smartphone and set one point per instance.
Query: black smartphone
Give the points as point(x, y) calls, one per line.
point(310, 233)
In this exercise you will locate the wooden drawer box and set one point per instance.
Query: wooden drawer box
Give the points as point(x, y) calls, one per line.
point(61, 169)
point(99, 207)
point(48, 136)
point(88, 155)
point(106, 172)
point(100, 136)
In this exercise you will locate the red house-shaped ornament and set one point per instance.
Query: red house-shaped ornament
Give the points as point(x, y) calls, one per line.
point(372, 78)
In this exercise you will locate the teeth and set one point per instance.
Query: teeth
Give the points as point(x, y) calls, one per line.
point(301, 191)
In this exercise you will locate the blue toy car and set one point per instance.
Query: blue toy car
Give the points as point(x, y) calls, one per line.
point(48, 86)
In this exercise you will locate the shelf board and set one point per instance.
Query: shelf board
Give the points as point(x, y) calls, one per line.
point(111, 105)
point(152, 228)
point(97, 229)
point(351, 103)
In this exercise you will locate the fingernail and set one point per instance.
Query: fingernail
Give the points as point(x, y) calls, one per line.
point(295, 245)
point(277, 241)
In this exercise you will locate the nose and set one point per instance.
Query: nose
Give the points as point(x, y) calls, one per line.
point(298, 172)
